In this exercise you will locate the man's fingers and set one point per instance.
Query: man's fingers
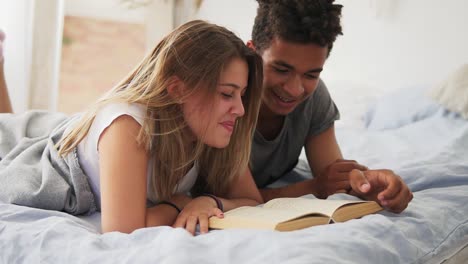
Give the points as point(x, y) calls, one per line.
point(402, 200)
point(345, 160)
point(359, 182)
point(388, 183)
point(352, 161)
point(342, 186)
point(393, 194)
point(389, 192)
point(337, 177)
point(349, 166)
point(399, 202)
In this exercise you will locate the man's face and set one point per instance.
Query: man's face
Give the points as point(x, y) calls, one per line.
point(291, 74)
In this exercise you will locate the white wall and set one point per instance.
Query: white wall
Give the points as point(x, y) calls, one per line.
point(386, 43)
point(16, 19)
point(156, 15)
point(159, 21)
point(34, 34)
point(116, 10)
point(396, 43)
point(237, 16)
point(32, 51)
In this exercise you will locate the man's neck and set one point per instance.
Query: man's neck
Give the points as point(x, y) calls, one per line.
point(269, 124)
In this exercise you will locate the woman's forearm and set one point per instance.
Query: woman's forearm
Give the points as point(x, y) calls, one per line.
point(161, 215)
point(164, 214)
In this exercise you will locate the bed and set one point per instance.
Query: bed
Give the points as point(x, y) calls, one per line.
point(420, 140)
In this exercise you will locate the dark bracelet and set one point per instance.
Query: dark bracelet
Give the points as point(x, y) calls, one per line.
point(219, 204)
point(170, 204)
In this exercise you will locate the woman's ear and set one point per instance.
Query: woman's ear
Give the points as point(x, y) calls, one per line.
point(251, 45)
point(176, 89)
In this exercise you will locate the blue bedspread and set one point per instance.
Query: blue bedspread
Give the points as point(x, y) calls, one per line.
point(431, 155)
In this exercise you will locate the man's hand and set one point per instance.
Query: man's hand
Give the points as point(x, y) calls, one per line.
point(335, 177)
point(382, 186)
point(197, 212)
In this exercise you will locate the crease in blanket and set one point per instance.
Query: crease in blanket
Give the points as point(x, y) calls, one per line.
point(31, 171)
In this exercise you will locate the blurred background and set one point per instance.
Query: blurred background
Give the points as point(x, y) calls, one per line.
point(62, 54)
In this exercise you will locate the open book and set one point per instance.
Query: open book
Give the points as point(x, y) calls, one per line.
point(286, 214)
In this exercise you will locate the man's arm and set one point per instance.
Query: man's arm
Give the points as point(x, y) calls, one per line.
point(321, 151)
point(327, 165)
point(292, 190)
point(333, 174)
point(336, 175)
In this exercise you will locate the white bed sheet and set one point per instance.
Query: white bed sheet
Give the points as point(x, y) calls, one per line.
point(431, 155)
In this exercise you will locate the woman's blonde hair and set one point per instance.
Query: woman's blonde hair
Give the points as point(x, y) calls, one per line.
point(195, 53)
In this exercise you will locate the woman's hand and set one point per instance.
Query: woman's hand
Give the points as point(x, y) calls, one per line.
point(197, 212)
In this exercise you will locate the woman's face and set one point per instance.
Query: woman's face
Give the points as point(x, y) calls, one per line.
point(212, 119)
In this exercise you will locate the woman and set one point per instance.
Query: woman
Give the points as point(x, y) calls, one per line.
point(181, 121)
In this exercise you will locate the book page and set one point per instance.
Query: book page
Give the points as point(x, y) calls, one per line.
point(304, 205)
point(262, 214)
point(252, 217)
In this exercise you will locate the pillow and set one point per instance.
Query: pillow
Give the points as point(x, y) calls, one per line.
point(399, 108)
point(452, 93)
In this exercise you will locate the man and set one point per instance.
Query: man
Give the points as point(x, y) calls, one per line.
point(294, 38)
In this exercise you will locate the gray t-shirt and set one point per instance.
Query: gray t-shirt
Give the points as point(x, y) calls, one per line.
point(270, 160)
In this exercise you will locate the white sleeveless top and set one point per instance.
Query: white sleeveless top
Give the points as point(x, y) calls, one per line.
point(88, 155)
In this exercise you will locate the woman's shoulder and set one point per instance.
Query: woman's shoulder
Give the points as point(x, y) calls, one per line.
point(112, 111)
point(107, 116)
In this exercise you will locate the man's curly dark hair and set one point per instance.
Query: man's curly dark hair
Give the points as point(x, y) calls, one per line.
point(298, 21)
